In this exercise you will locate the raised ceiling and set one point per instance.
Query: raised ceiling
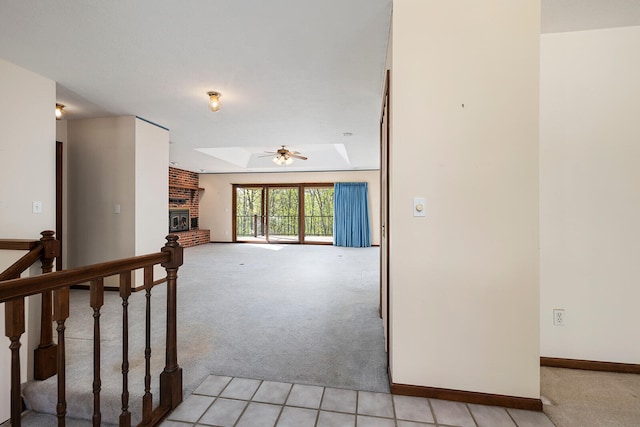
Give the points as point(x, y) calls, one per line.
point(296, 73)
point(579, 15)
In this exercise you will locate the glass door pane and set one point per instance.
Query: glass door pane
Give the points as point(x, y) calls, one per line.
point(318, 214)
point(283, 218)
point(250, 218)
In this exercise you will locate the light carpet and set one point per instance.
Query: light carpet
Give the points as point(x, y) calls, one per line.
point(578, 398)
point(295, 313)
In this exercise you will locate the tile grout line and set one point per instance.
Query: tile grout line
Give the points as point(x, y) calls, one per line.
point(247, 402)
point(466, 405)
point(215, 399)
point(511, 416)
point(279, 415)
point(393, 407)
point(433, 413)
point(285, 402)
point(355, 412)
point(251, 399)
point(324, 389)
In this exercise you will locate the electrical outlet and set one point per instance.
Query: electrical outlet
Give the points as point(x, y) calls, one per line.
point(558, 317)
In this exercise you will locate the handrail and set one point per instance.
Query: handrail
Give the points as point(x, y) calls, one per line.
point(18, 244)
point(13, 292)
point(27, 286)
point(27, 260)
point(46, 249)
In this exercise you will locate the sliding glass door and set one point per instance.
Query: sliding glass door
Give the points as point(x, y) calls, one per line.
point(249, 214)
point(283, 213)
point(318, 214)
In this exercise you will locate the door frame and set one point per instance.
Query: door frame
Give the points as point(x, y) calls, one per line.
point(59, 200)
point(385, 142)
point(265, 210)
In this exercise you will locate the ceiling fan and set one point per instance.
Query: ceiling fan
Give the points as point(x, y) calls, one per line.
point(284, 156)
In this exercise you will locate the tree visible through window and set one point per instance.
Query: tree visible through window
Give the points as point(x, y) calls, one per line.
point(284, 210)
point(318, 212)
point(249, 212)
point(284, 213)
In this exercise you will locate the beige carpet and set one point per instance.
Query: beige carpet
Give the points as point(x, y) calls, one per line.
point(578, 398)
point(305, 314)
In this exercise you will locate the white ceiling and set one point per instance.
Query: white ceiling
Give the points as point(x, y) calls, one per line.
point(578, 15)
point(296, 73)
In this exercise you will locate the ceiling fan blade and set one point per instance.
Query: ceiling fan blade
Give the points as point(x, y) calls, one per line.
point(267, 155)
point(296, 156)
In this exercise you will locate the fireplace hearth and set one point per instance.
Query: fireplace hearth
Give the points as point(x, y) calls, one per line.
point(179, 220)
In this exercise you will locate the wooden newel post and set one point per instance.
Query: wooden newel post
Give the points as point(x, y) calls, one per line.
point(45, 356)
point(171, 377)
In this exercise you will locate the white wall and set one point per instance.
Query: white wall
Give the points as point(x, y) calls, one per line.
point(216, 199)
point(116, 161)
point(101, 174)
point(27, 150)
point(589, 194)
point(151, 190)
point(464, 279)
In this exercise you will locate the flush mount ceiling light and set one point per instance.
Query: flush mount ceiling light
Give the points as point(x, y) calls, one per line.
point(59, 112)
point(214, 100)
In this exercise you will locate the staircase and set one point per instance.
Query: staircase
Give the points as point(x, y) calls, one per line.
point(91, 381)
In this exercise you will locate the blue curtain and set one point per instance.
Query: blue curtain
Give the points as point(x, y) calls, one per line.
point(351, 215)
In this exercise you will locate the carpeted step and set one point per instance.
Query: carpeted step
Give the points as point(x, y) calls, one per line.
point(36, 419)
point(41, 396)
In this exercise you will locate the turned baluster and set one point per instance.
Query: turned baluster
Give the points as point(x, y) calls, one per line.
point(14, 328)
point(60, 315)
point(125, 293)
point(96, 298)
point(147, 399)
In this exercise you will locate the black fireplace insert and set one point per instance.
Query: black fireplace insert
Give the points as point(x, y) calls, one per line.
point(178, 220)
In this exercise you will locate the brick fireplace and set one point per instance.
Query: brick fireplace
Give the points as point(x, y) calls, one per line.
point(184, 208)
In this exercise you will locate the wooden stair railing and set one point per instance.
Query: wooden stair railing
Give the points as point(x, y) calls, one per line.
point(47, 249)
point(13, 292)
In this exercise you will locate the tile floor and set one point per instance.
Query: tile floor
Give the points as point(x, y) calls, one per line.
point(241, 402)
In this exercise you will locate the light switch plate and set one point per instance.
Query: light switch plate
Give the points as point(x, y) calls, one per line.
point(419, 206)
point(37, 207)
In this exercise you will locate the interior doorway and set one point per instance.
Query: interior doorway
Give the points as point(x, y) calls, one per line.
point(59, 201)
point(283, 213)
point(384, 215)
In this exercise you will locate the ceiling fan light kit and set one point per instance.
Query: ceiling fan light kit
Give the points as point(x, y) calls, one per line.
point(282, 160)
point(284, 156)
